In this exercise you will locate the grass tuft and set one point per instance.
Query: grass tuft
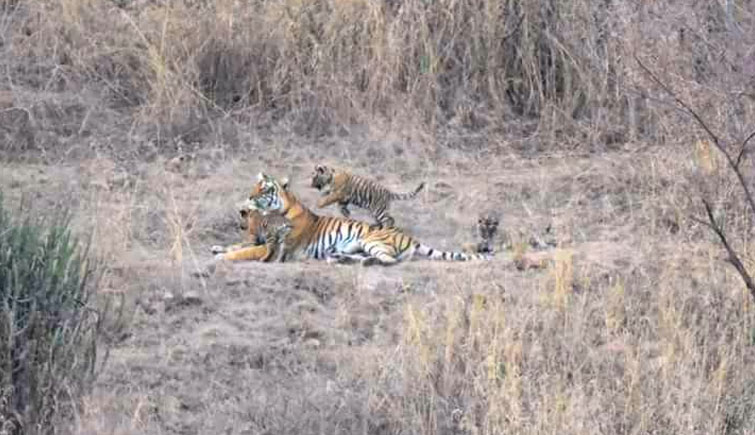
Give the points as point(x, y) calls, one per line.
point(49, 326)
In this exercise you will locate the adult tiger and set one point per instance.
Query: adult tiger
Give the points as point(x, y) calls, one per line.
point(333, 237)
point(346, 188)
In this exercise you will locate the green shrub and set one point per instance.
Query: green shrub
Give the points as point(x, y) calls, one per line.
point(48, 327)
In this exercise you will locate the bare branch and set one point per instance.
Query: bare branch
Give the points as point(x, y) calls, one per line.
point(733, 257)
point(714, 225)
point(670, 104)
point(733, 165)
point(742, 149)
point(681, 102)
point(701, 222)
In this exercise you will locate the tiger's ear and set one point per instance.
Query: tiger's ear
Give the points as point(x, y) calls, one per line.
point(320, 169)
point(261, 176)
point(284, 183)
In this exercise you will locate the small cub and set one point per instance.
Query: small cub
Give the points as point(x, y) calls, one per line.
point(344, 188)
point(487, 228)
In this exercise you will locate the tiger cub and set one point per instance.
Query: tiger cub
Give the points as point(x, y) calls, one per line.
point(346, 188)
point(270, 230)
point(487, 228)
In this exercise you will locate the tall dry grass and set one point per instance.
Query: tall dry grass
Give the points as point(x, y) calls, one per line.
point(561, 70)
point(628, 354)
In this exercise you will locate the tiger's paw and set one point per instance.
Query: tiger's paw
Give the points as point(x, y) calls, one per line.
point(369, 261)
point(338, 258)
point(217, 249)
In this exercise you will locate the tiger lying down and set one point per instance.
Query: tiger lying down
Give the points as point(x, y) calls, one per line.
point(331, 238)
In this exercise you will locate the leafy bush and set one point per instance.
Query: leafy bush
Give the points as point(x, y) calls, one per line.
point(48, 328)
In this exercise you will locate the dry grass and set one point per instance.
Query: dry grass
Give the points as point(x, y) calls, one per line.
point(634, 325)
point(150, 119)
point(143, 74)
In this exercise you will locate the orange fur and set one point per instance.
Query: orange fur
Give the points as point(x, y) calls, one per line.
point(269, 232)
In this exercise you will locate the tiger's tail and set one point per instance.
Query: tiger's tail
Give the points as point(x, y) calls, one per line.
point(434, 254)
point(408, 195)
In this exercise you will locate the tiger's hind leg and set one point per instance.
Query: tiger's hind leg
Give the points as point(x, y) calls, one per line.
point(382, 218)
point(369, 261)
point(379, 252)
point(375, 255)
point(380, 258)
point(341, 258)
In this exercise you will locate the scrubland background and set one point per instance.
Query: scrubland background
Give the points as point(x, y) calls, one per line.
point(149, 119)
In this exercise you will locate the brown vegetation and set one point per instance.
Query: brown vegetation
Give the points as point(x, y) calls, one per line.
point(132, 71)
point(150, 118)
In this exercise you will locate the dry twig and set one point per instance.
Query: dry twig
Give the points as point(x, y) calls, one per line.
point(733, 164)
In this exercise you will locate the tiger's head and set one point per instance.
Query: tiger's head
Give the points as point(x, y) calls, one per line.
point(270, 196)
point(487, 225)
point(249, 217)
point(246, 216)
point(250, 222)
point(322, 178)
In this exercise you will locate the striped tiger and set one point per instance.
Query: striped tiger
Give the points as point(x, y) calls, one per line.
point(345, 188)
point(329, 237)
point(269, 231)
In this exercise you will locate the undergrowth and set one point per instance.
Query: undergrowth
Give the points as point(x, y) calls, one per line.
point(49, 325)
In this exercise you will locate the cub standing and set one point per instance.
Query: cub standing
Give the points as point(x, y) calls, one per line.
point(346, 188)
